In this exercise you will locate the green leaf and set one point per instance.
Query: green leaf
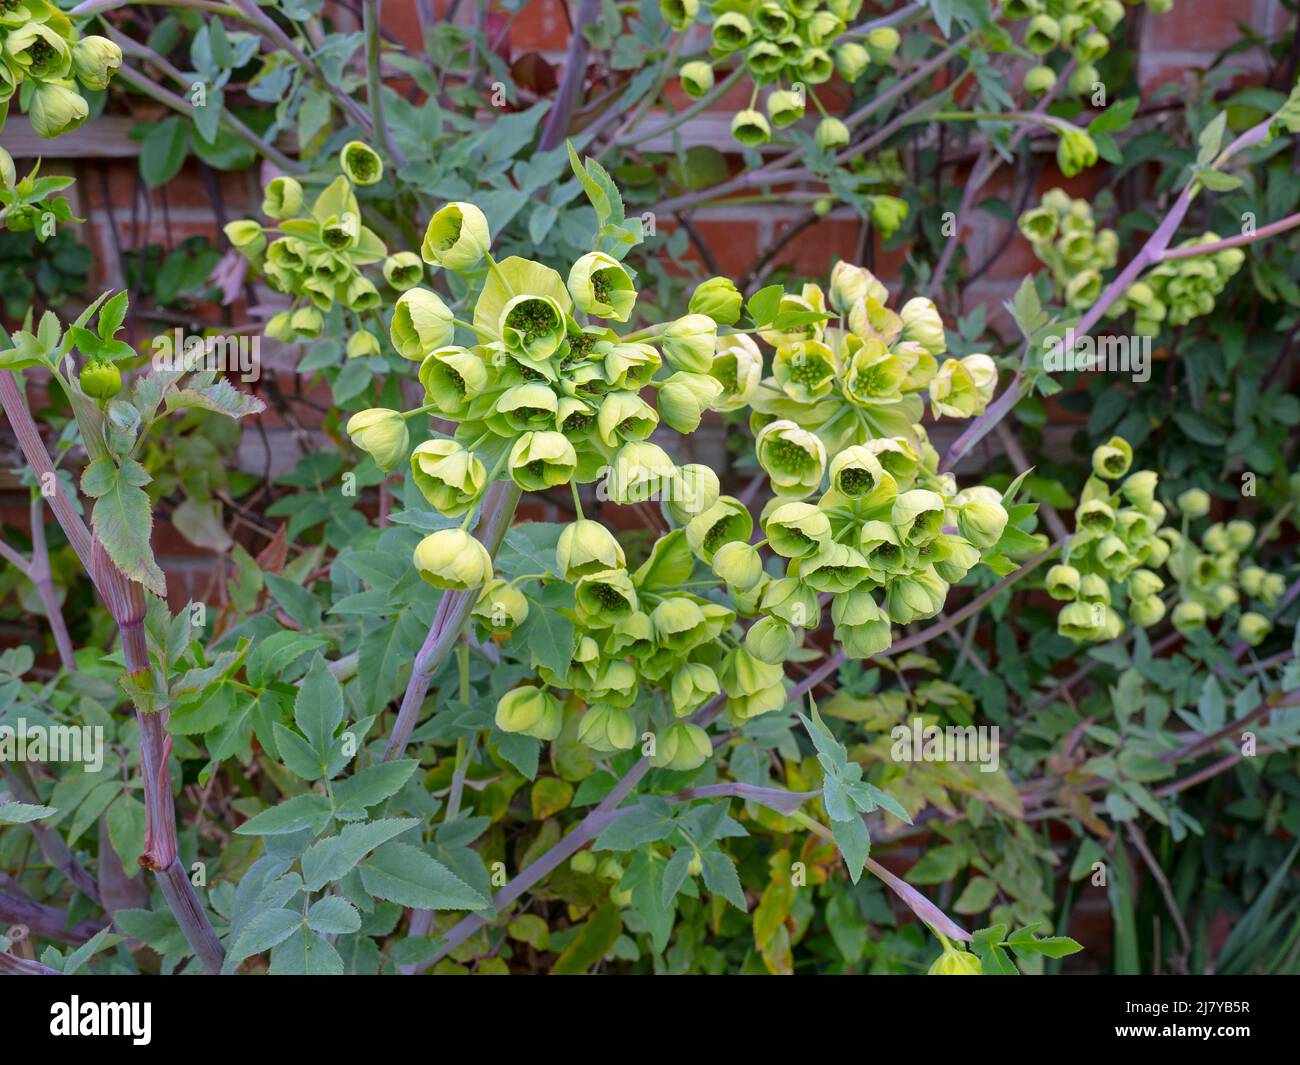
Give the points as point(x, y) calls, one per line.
point(292, 815)
point(123, 519)
point(21, 813)
point(373, 784)
point(262, 932)
point(404, 874)
point(594, 940)
point(318, 709)
point(854, 842)
point(333, 915)
point(101, 940)
point(305, 954)
point(329, 859)
point(163, 149)
point(721, 878)
point(765, 304)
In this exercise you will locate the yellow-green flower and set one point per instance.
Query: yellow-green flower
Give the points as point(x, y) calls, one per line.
point(457, 237)
point(37, 51)
point(1063, 582)
point(917, 515)
point(447, 475)
point(55, 108)
point(805, 370)
point(738, 367)
point(530, 711)
point(739, 564)
point(784, 107)
point(916, 596)
point(922, 323)
point(725, 521)
point(830, 134)
point(282, 198)
point(695, 488)
point(689, 342)
point(681, 747)
point(421, 324)
point(772, 640)
point(94, 61)
point(639, 471)
point(749, 127)
point(601, 286)
point(625, 416)
point(453, 560)
point(794, 458)
point(533, 326)
point(452, 376)
point(797, 530)
point(862, 628)
point(586, 547)
point(382, 434)
point(981, 517)
point(696, 78)
point(607, 728)
point(684, 398)
point(403, 270)
point(1194, 503)
point(731, 31)
point(1253, 628)
point(1112, 459)
point(718, 298)
point(541, 460)
point(956, 963)
point(692, 686)
point(501, 607)
point(882, 43)
point(605, 597)
point(361, 163)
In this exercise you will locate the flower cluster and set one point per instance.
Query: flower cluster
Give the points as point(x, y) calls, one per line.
point(1175, 292)
point(644, 643)
point(788, 46)
point(1215, 575)
point(43, 60)
point(862, 379)
point(1066, 239)
point(315, 253)
point(1081, 28)
point(1118, 544)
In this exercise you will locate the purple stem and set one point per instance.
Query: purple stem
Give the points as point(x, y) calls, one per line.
point(453, 612)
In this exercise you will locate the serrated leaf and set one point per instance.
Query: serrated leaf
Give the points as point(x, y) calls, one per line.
point(405, 874)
